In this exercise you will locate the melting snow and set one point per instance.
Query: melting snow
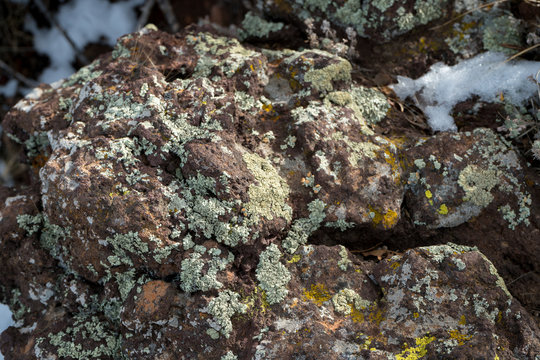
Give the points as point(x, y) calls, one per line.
point(486, 75)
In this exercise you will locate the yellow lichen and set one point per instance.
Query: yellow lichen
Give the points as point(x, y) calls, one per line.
point(443, 209)
point(356, 315)
point(388, 219)
point(459, 337)
point(296, 258)
point(318, 294)
point(417, 352)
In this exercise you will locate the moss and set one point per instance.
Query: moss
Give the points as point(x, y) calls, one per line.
point(253, 25)
point(223, 307)
point(302, 228)
point(268, 198)
point(272, 275)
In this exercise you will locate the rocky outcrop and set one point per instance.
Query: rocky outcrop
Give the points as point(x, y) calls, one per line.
point(181, 192)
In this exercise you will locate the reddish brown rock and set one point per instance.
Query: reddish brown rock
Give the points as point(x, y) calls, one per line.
point(182, 179)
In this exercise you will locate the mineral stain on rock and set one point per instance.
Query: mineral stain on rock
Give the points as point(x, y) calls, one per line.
point(176, 216)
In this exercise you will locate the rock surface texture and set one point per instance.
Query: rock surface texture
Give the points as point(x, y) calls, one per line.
point(193, 197)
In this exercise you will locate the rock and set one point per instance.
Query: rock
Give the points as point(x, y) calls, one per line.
point(179, 181)
point(378, 20)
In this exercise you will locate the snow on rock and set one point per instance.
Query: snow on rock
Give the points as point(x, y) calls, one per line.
point(5, 321)
point(486, 75)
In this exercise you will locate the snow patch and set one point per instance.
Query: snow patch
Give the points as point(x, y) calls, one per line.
point(486, 75)
point(6, 320)
point(86, 22)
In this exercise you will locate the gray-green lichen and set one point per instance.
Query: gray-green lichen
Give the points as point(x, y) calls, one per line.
point(202, 208)
point(229, 356)
point(477, 184)
point(107, 342)
point(268, 198)
point(302, 228)
point(223, 307)
point(371, 103)
point(322, 79)
point(192, 277)
point(345, 299)
point(344, 262)
point(502, 34)
point(272, 275)
point(253, 25)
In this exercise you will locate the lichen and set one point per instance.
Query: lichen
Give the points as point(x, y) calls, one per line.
point(502, 34)
point(322, 79)
point(192, 277)
point(229, 356)
point(253, 25)
point(477, 184)
point(346, 299)
point(107, 343)
point(272, 275)
point(268, 198)
point(223, 307)
point(417, 352)
point(344, 262)
point(302, 228)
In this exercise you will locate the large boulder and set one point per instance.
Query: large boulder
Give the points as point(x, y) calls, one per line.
point(174, 185)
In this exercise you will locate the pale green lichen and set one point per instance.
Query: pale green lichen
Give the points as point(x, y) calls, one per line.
point(302, 228)
point(371, 103)
point(345, 299)
point(237, 56)
point(89, 328)
point(122, 244)
point(253, 25)
point(344, 262)
point(202, 208)
point(229, 356)
point(323, 79)
point(502, 34)
point(30, 223)
point(477, 184)
point(194, 279)
point(84, 75)
point(290, 141)
point(223, 307)
point(316, 4)
point(268, 198)
point(272, 275)
point(359, 150)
